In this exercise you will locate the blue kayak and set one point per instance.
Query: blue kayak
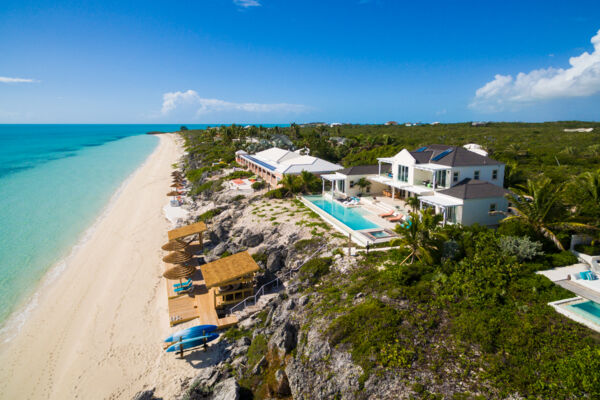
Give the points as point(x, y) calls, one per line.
point(193, 342)
point(192, 332)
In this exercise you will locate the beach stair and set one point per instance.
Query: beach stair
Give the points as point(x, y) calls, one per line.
point(253, 309)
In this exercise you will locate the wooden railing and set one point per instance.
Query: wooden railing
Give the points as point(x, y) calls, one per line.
point(274, 283)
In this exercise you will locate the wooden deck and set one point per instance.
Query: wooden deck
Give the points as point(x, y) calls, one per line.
point(199, 303)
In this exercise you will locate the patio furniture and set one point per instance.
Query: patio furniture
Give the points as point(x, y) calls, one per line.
point(387, 214)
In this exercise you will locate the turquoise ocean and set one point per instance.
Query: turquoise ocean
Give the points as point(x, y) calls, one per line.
point(55, 181)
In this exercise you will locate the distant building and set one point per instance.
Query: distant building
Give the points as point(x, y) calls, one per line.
point(335, 124)
point(435, 123)
point(391, 123)
point(273, 163)
point(479, 123)
point(338, 140)
point(580, 130)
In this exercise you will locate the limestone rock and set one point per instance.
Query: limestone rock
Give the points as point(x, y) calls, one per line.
point(226, 390)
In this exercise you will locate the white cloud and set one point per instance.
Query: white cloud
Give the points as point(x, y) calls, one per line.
point(581, 79)
point(204, 106)
point(6, 79)
point(247, 3)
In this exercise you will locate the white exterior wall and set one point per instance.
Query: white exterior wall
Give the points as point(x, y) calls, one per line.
point(477, 211)
point(354, 191)
point(403, 158)
point(485, 173)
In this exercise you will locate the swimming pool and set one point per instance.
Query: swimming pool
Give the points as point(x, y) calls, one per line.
point(351, 217)
point(587, 309)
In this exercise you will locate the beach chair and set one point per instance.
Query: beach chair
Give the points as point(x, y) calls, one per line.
point(396, 218)
point(387, 214)
point(186, 283)
point(184, 289)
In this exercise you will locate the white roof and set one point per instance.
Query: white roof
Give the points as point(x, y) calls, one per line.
point(289, 162)
point(333, 177)
point(273, 154)
point(440, 200)
point(432, 167)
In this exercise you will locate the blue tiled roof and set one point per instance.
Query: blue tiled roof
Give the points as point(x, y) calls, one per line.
point(261, 163)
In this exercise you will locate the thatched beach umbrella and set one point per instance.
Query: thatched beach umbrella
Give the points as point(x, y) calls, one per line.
point(177, 257)
point(173, 193)
point(175, 245)
point(179, 272)
point(176, 173)
point(177, 185)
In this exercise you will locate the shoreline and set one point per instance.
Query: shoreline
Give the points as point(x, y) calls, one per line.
point(18, 317)
point(96, 330)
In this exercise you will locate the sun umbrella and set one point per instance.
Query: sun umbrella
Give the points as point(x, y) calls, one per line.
point(177, 257)
point(179, 272)
point(175, 173)
point(173, 193)
point(174, 245)
point(176, 185)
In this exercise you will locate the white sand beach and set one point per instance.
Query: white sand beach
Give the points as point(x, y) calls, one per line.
point(97, 330)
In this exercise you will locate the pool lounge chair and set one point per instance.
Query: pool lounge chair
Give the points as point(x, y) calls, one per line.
point(396, 218)
point(186, 283)
point(387, 214)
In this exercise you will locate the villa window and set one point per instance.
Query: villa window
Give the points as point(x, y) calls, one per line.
point(351, 184)
point(455, 177)
point(492, 207)
point(495, 174)
point(476, 175)
point(402, 173)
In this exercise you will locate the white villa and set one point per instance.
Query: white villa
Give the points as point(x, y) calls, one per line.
point(465, 186)
point(273, 163)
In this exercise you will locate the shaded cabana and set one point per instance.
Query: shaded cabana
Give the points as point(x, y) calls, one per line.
point(232, 277)
point(194, 229)
point(177, 257)
point(175, 245)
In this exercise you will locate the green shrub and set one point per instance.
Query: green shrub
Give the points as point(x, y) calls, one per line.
point(522, 248)
point(208, 215)
point(258, 185)
point(260, 257)
point(257, 349)
point(275, 194)
point(561, 259)
point(314, 269)
point(239, 175)
point(238, 198)
point(195, 175)
point(589, 249)
point(307, 244)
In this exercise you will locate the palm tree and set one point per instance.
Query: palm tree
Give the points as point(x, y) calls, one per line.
point(589, 182)
point(307, 181)
point(539, 205)
point(362, 184)
point(422, 236)
point(413, 203)
point(290, 184)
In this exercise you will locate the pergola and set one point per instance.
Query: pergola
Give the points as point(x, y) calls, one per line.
point(188, 230)
point(333, 178)
point(442, 202)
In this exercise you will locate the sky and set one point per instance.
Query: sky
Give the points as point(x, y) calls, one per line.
point(282, 61)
